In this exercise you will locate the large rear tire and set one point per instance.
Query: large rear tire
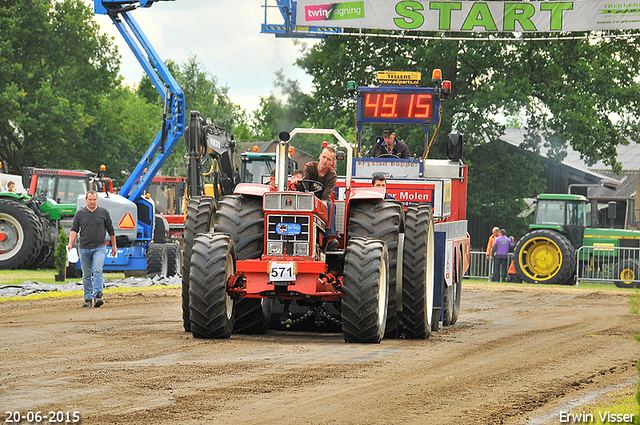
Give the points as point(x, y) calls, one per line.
point(545, 256)
point(418, 272)
point(242, 218)
point(625, 273)
point(21, 235)
point(213, 260)
point(382, 220)
point(199, 219)
point(365, 290)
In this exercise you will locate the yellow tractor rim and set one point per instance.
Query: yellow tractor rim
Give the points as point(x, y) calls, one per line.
point(540, 258)
point(627, 276)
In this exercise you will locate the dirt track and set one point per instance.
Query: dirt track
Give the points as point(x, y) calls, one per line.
point(514, 354)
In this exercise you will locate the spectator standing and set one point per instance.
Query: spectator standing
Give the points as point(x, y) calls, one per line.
point(92, 222)
point(500, 251)
point(389, 145)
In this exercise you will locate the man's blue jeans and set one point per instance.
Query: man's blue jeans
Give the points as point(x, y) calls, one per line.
point(92, 262)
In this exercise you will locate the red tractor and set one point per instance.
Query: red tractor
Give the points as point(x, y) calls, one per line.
point(395, 270)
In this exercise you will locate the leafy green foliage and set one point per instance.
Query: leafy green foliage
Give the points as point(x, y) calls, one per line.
point(54, 70)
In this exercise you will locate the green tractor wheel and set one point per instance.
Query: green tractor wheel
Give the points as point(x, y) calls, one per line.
point(545, 256)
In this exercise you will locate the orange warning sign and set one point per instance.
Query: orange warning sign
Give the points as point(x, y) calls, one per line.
point(127, 222)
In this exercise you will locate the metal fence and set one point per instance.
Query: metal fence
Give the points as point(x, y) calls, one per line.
point(608, 264)
point(604, 264)
point(481, 266)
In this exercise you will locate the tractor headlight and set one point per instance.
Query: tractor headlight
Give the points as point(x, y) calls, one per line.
point(301, 248)
point(274, 248)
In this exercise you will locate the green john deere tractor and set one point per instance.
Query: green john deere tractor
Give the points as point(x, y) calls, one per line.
point(30, 222)
point(562, 224)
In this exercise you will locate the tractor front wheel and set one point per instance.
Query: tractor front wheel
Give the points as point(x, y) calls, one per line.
point(213, 261)
point(381, 220)
point(242, 218)
point(418, 272)
point(545, 256)
point(199, 219)
point(365, 290)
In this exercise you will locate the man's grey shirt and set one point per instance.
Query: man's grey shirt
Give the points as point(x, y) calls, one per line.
point(92, 227)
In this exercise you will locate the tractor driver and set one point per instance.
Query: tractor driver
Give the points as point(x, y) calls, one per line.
point(389, 146)
point(322, 172)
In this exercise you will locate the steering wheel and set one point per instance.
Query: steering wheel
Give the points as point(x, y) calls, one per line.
point(388, 155)
point(317, 192)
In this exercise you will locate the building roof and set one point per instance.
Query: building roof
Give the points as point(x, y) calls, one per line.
point(515, 137)
point(626, 190)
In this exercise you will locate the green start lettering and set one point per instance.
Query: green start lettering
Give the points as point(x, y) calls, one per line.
point(411, 19)
point(519, 12)
point(445, 9)
point(479, 16)
point(556, 9)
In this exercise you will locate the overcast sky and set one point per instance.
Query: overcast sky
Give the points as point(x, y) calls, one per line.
point(224, 36)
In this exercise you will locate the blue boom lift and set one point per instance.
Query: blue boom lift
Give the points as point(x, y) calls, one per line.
point(132, 212)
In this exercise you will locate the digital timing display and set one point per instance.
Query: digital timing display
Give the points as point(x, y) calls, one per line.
point(397, 105)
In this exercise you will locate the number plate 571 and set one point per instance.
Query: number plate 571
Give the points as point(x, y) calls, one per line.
point(280, 271)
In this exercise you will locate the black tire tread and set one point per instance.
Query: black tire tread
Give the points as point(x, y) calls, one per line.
point(360, 290)
point(567, 268)
point(33, 234)
point(381, 220)
point(208, 286)
point(416, 324)
point(242, 218)
point(198, 220)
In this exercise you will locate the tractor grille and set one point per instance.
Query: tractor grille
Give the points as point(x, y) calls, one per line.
point(291, 240)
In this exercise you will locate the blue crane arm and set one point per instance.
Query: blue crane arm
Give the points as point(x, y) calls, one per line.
point(173, 122)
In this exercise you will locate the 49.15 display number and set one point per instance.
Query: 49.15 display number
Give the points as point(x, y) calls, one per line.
point(393, 105)
point(52, 417)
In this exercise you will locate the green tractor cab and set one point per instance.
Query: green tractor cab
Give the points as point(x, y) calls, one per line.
point(30, 222)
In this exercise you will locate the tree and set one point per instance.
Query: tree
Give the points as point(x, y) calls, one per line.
point(582, 91)
point(283, 112)
point(55, 69)
point(202, 93)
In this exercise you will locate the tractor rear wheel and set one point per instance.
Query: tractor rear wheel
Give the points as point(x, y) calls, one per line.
point(199, 219)
point(625, 273)
point(173, 259)
point(21, 235)
point(213, 259)
point(418, 272)
point(242, 218)
point(365, 290)
point(156, 260)
point(545, 256)
point(381, 220)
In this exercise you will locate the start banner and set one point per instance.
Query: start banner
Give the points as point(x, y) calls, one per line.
point(472, 16)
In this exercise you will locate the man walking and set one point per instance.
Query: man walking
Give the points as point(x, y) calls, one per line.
point(93, 222)
point(500, 251)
